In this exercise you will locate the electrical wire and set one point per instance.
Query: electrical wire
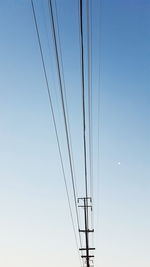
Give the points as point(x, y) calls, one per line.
point(64, 111)
point(98, 107)
point(65, 94)
point(83, 97)
point(54, 121)
point(90, 123)
point(89, 53)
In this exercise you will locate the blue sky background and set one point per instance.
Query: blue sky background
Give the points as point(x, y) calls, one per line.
point(35, 225)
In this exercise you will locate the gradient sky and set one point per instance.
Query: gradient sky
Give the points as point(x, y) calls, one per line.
point(35, 226)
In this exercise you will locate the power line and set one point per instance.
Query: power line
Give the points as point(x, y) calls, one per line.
point(65, 94)
point(54, 120)
point(83, 97)
point(98, 106)
point(90, 117)
point(63, 108)
point(89, 53)
point(58, 42)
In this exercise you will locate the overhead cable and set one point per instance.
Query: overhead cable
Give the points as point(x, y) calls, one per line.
point(64, 111)
point(54, 121)
point(83, 97)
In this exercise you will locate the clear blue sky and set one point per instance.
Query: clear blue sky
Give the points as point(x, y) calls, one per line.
point(35, 226)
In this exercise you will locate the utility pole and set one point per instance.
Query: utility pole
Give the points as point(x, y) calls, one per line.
point(87, 204)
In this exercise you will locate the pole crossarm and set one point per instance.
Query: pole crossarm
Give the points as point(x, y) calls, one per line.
point(85, 248)
point(89, 231)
